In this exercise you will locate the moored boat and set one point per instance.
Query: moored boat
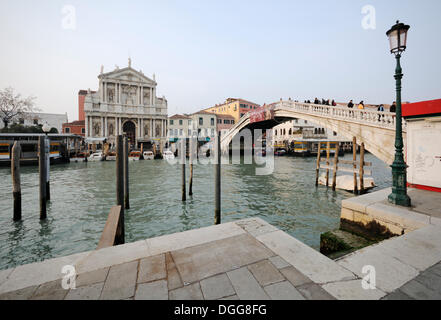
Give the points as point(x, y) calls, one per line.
point(96, 156)
point(111, 156)
point(135, 155)
point(78, 157)
point(148, 155)
point(168, 155)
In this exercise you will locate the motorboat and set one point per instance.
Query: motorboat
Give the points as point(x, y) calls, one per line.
point(96, 156)
point(168, 155)
point(280, 152)
point(148, 155)
point(78, 157)
point(135, 155)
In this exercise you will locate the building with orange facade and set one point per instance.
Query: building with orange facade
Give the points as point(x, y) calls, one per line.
point(236, 108)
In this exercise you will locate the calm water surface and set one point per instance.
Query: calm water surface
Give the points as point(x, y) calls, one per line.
point(83, 193)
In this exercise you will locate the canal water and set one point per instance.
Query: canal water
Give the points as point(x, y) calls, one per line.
point(83, 193)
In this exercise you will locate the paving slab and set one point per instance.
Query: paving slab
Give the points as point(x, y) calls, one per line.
point(361, 202)
point(265, 273)
point(295, 276)
point(430, 280)
point(92, 277)
point(152, 268)
point(246, 286)
point(311, 263)
point(352, 290)
point(390, 273)
point(111, 256)
point(177, 241)
point(203, 261)
point(312, 291)
point(256, 226)
point(50, 291)
point(174, 280)
point(38, 273)
point(420, 291)
point(283, 291)
point(22, 294)
point(156, 290)
point(235, 298)
point(278, 262)
point(402, 216)
point(88, 292)
point(121, 281)
point(397, 295)
point(189, 292)
point(4, 274)
point(436, 269)
point(217, 287)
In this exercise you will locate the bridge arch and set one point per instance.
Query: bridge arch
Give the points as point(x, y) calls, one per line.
point(375, 129)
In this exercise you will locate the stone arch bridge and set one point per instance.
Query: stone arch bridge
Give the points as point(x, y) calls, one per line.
point(375, 129)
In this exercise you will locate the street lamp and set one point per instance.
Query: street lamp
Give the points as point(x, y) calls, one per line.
point(46, 128)
point(397, 39)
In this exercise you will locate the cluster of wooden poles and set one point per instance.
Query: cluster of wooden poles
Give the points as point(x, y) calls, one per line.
point(44, 182)
point(335, 167)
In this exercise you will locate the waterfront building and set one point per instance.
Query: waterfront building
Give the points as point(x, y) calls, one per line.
point(53, 120)
point(201, 124)
point(224, 123)
point(236, 108)
point(75, 127)
point(179, 126)
point(126, 103)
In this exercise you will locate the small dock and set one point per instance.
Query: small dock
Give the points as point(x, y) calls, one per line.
point(243, 260)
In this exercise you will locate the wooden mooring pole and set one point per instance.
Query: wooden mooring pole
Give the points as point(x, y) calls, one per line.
point(120, 186)
point(317, 170)
point(328, 151)
point(217, 182)
point(48, 168)
point(42, 171)
point(334, 174)
point(126, 173)
point(16, 183)
point(183, 159)
point(361, 170)
point(191, 159)
point(354, 158)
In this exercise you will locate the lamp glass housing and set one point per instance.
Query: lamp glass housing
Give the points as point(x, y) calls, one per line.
point(398, 37)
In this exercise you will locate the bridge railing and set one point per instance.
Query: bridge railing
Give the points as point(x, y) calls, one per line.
point(371, 117)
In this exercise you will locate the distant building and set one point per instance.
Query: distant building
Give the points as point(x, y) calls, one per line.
point(201, 124)
point(236, 108)
point(53, 120)
point(179, 126)
point(224, 123)
point(75, 127)
point(126, 103)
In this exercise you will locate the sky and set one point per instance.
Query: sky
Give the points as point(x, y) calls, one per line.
point(203, 52)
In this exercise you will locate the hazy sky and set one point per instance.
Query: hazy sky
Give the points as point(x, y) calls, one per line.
point(203, 52)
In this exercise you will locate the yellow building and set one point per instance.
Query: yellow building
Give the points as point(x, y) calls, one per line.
point(236, 108)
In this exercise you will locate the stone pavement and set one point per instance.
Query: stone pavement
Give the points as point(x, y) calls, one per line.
point(247, 260)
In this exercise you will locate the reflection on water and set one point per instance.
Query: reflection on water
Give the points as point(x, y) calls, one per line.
point(83, 193)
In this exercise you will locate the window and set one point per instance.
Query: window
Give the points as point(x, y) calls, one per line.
point(189, 122)
point(66, 130)
point(189, 132)
point(180, 122)
point(212, 132)
point(171, 122)
point(83, 130)
point(181, 132)
point(170, 132)
point(36, 122)
point(232, 121)
point(201, 121)
point(212, 121)
point(306, 121)
point(176, 132)
point(335, 133)
point(21, 121)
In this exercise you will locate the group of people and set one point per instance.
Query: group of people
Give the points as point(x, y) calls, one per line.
point(360, 106)
point(323, 102)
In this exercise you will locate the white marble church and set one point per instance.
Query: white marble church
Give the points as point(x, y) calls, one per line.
point(126, 102)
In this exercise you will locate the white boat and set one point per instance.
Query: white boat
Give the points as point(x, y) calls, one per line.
point(135, 155)
point(96, 156)
point(148, 155)
point(346, 182)
point(167, 155)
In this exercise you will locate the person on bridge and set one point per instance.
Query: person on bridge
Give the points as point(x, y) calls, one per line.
point(380, 109)
point(393, 108)
point(333, 103)
point(316, 101)
point(350, 104)
point(361, 105)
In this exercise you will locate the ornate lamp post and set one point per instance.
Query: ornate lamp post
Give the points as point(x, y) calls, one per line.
point(398, 38)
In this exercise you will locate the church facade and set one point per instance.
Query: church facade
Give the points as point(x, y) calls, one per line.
point(126, 103)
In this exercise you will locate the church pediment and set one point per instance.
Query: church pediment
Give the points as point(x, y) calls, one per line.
point(127, 74)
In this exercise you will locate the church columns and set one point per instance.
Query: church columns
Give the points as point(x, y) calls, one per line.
point(102, 127)
point(142, 96)
point(86, 126)
point(151, 96)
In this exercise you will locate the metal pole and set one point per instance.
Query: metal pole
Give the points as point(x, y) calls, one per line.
point(399, 175)
point(191, 158)
point(42, 171)
point(217, 182)
point(48, 167)
point(354, 158)
point(120, 185)
point(126, 173)
point(16, 185)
